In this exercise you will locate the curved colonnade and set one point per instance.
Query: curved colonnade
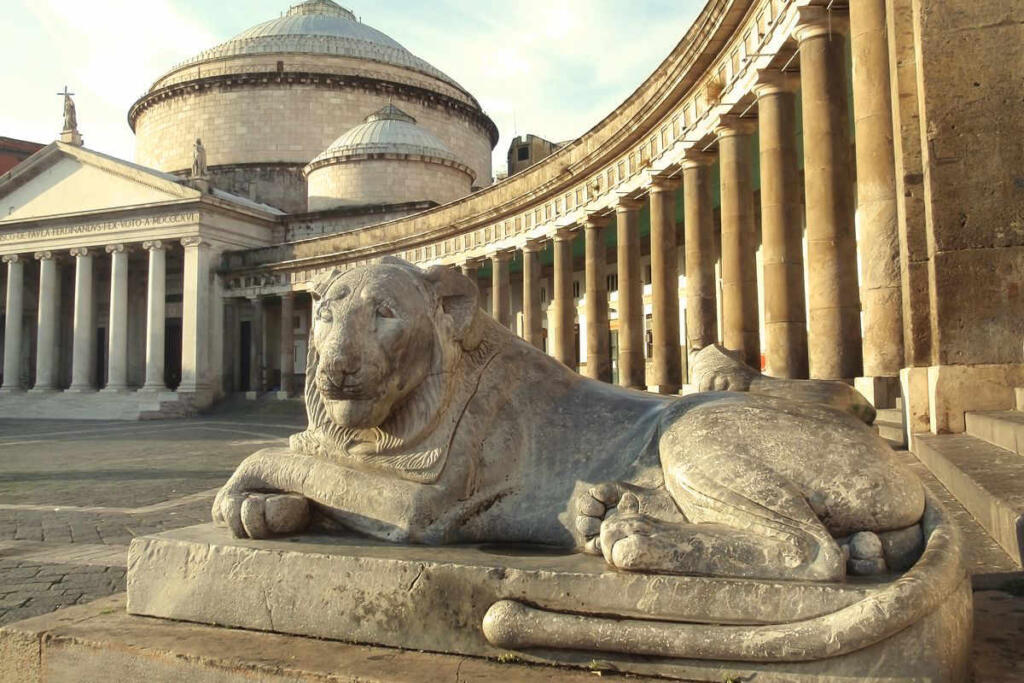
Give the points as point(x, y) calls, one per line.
point(724, 110)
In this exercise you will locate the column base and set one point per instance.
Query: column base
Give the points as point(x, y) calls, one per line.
point(666, 390)
point(153, 389)
point(881, 392)
point(11, 390)
point(116, 390)
point(281, 395)
point(81, 390)
point(43, 390)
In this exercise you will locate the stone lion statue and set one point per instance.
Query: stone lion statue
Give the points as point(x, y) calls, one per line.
point(430, 423)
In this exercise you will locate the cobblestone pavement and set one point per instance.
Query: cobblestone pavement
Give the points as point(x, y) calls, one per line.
point(74, 494)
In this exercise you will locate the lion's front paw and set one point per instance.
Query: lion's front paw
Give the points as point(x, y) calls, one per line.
point(593, 506)
point(262, 515)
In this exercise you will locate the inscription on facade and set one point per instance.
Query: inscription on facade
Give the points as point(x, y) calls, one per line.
point(103, 226)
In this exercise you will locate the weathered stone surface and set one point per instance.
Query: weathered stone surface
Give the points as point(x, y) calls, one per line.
point(436, 599)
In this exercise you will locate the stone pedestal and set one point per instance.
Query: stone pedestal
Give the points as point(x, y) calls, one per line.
point(13, 324)
point(834, 338)
point(436, 599)
point(632, 366)
point(741, 331)
point(84, 344)
point(599, 362)
point(668, 366)
point(48, 330)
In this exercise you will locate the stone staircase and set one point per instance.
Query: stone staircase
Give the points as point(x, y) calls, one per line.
point(94, 406)
point(983, 469)
point(890, 423)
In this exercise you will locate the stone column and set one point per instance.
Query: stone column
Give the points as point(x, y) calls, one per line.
point(83, 355)
point(256, 346)
point(500, 304)
point(881, 297)
point(533, 328)
point(599, 362)
point(632, 366)
point(562, 335)
point(195, 319)
point(156, 317)
point(287, 342)
point(117, 329)
point(739, 240)
point(668, 366)
point(470, 269)
point(13, 324)
point(785, 315)
point(48, 337)
point(834, 336)
point(699, 244)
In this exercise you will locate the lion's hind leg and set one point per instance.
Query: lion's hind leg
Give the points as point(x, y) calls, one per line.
point(746, 521)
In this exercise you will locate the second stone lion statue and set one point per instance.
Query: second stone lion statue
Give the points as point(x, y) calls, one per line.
point(430, 423)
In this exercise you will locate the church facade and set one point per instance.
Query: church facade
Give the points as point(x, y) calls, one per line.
point(821, 189)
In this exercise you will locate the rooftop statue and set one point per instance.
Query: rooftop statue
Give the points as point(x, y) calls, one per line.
point(70, 116)
point(429, 423)
point(198, 159)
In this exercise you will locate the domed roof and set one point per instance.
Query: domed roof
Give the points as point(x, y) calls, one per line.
point(388, 131)
point(320, 27)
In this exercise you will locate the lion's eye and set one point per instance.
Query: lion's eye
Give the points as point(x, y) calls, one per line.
point(384, 311)
point(324, 314)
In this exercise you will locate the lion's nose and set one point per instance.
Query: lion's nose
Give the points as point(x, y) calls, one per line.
point(342, 365)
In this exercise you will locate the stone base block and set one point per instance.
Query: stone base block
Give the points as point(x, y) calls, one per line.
point(881, 392)
point(92, 405)
point(435, 599)
point(102, 642)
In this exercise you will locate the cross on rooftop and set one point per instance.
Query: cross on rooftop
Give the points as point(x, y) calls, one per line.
point(65, 93)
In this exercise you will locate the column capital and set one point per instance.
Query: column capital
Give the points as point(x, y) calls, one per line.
point(627, 203)
point(773, 82)
point(115, 248)
point(11, 258)
point(664, 184)
point(470, 263)
point(595, 220)
point(290, 294)
point(154, 245)
point(81, 252)
point(730, 125)
point(44, 255)
point(563, 235)
point(195, 241)
point(501, 255)
point(694, 158)
point(533, 246)
point(816, 21)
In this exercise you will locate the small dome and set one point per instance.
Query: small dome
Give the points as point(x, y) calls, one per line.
point(388, 131)
point(320, 27)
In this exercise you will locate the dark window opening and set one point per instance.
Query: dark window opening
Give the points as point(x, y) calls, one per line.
point(523, 153)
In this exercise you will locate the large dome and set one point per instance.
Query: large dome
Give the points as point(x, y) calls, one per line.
point(272, 99)
point(319, 27)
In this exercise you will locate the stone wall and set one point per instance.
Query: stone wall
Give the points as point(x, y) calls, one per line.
point(381, 181)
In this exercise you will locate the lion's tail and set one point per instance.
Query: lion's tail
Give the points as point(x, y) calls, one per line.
point(512, 625)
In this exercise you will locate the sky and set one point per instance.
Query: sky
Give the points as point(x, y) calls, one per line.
point(553, 68)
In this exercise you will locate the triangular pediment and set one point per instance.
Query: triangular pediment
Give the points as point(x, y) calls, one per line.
point(62, 179)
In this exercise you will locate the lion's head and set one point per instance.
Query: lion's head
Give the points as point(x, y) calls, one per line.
point(384, 343)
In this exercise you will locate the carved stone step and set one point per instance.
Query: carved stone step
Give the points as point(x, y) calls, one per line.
point(1000, 428)
point(889, 425)
point(987, 480)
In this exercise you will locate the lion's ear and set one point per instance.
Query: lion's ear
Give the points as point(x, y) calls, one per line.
point(322, 283)
point(459, 298)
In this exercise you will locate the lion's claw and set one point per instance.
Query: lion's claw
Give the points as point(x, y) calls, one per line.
point(593, 507)
point(262, 515)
